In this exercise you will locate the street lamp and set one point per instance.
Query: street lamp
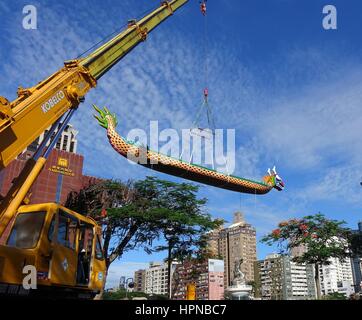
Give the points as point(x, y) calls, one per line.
point(169, 236)
point(129, 284)
point(122, 282)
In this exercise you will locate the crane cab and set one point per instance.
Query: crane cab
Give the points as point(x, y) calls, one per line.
point(62, 246)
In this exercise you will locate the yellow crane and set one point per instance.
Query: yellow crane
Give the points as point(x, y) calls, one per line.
point(62, 245)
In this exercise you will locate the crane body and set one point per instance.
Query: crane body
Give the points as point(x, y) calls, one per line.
point(34, 234)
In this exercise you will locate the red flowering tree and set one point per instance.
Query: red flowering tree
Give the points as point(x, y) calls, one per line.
point(320, 238)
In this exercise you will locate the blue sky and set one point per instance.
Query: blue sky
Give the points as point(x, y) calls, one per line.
point(291, 89)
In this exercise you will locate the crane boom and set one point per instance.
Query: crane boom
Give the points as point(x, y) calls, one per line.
point(105, 57)
point(39, 107)
point(24, 119)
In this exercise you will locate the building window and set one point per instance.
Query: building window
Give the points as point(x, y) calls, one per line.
point(58, 144)
point(65, 142)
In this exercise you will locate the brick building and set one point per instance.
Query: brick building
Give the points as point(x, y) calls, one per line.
point(62, 173)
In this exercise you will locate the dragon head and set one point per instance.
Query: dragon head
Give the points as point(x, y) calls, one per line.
point(105, 117)
point(274, 179)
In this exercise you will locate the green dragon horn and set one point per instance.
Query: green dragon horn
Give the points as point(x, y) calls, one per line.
point(104, 116)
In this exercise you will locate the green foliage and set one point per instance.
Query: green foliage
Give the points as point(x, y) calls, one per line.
point(138, 213)
point(157, 297)
point(322, 238)
point(335, 296)
point(121, 294)
point(256, 285)
point(180, 216)
point(129, 224)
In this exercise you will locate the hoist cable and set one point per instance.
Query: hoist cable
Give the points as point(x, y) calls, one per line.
point(109, 36)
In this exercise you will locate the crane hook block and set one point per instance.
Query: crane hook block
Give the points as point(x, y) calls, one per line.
point(203, 7)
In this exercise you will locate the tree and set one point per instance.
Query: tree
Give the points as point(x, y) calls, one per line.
point(122, 295)
point(181, 220)
point(322, 239)
point(135, 214)
point(123, 212)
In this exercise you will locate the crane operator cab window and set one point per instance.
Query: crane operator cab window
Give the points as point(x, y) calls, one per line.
point(85, 246)
point(67, 230)
point(26, 230)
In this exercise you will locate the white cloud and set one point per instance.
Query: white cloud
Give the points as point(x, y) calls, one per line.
point(336, 183)
point(321, 122)
point(138, 89)
point(306, 131)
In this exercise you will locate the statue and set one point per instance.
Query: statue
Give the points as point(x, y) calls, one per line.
point(239, 277)
point(239, 289)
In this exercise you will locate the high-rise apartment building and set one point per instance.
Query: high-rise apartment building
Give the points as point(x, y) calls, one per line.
point(234, 243)
point(140, 281)
point(156, 278)
point(337, 277)
point(279, 278)
point(357, 265)
point(268, 277)
point(207, 276)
